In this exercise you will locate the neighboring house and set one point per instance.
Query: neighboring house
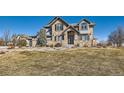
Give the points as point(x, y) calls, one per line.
point(79, 34)
point(32, 41)
point(1, 42)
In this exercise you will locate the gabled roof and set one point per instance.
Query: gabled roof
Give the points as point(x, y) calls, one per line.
point(54, 20)
point(69, 28)
point(74, 24)
point(85, 21)
point(33, 36)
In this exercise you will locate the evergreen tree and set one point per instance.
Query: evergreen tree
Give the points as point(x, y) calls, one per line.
point(42, 38)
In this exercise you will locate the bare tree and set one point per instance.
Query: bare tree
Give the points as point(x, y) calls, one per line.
point(117, 37)
point(14, 39)
point(6, 36)
point(1, 42)
point(103, 43)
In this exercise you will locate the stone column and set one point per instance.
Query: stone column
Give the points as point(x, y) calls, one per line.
point(34, 42)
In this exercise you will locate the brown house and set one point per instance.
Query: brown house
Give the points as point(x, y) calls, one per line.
point(79, 34)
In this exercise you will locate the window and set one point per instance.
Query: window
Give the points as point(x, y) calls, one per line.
point(59, 38)
point(62, 37)
point(49, 37)
point(85, 37)
point(55, 38)
point(84, 26)
point(48, 32)
point(58, 27)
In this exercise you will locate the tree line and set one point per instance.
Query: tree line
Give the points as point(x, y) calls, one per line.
point(21, 39)
point(115, 38)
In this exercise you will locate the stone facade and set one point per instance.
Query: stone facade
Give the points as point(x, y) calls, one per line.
point(79, 34)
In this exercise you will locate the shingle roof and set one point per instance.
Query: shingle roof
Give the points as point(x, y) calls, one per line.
point(54, 20)
point(85, 21)
point(69, 28)
point(33, 36)
point(74, 24)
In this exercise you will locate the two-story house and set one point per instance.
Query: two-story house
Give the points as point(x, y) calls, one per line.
point(78, 34)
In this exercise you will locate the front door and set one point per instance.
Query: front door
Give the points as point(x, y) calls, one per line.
point(70, 37)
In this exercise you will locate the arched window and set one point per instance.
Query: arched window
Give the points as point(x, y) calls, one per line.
point(59, 27)
point(84, 26)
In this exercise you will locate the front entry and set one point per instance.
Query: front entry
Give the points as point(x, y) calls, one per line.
point(70, 37)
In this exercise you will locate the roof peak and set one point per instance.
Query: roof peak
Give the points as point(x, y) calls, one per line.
point(84, 19)
point(55, 19)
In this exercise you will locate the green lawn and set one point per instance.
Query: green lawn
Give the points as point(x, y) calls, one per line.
point(81, 62)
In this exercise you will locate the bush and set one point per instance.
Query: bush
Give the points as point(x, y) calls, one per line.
point(104, 46)
point(99, 45)
point(58, 45)
point(47, 45)
point(109, 44)
point(21, 43)
point(85, 45)
point(10, 46)
point(2, 52)
point(77, 45)
point(1, 42)
point(51, 45)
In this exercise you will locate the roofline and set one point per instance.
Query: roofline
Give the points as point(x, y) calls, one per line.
point(93, 24)
point(55, 19)
point(69, 27)
point(84, 19)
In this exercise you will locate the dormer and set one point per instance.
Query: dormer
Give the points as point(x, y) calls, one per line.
point(85, 26)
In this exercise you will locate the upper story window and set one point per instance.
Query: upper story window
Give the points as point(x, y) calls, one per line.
point(48, 32)
point(59, 27)
point(84, 26)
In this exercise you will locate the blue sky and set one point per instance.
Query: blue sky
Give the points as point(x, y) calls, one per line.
point(31, 24)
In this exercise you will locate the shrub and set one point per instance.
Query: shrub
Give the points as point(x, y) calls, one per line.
point(10, 46)
point(51, 45)
point(109, 44)
point(47, 45)
point(1, 42)
point(104, 46)
point(58, 45)
point(2, 52)
point(85, 45)
point(99, 45)
point(77, 45)
point(21, 43)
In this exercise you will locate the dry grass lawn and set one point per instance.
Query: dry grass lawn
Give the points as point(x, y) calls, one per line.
point(69, 62)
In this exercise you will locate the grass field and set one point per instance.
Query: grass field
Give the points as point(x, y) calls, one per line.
point(63, 63)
